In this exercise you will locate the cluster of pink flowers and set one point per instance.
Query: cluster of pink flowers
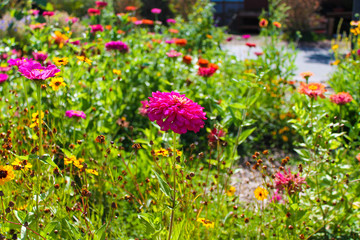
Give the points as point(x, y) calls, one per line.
point(40, 56)
point(156, 10)
point(341, 98)
point(3, 77)
point(34, 71)
point(173, 54)
point(289, 182)
point(208, 71)
point(96, 28)
point(74, 113)
point(176, 112)
point(117, 45)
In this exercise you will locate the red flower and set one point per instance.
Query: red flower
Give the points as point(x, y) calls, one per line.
point(48, 14)
point(100, 4)
point(288, 181)
point(93, 11)
point(250, 45)
point(341, 98)
point(216, 134)
point(131, 8)
point(313, 90)
point(203, 62)
point(208, 71)
point(181, 42)
point(187, 59)
point(263, 23)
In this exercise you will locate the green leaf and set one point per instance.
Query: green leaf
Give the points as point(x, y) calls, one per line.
point(238, 106)
point(99, 234)
point(245, 134)
point(164, 187)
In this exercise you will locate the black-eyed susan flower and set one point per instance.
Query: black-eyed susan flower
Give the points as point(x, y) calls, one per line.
point(35, 119)
point(6, 174)
point(231, 191)
point(79, 163)
point(60, 61)
point(163, 152)
point(56, 83)
point(92, 171)
point(117, 72)
point(261, 193)
point(84, 59)
point(206, 223)
point(24, 165)
point(69, 160)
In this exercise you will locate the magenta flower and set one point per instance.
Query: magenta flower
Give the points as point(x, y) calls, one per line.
point(101, 4)
point(76, 43)
point(246, 36)
point(229, 39)
point(358, 52)
point(74, 113)
point(34, 71)
point(34, 12)
point(143, 110)
point(288, 182)
point(96, 28)
point(208, 71)
point(250, 45)
point(276, 198)
point(40, 56)
point(93, 11)
point(117, 45)
point(176, 112)
point(3, 77)
point(170, 41)
point(258, 53)
point(173, 54)
point(5, 69)
point(19, 61)
point(48, 14)
point(156, 10)
point(138, 22)
point(341, 98)
point(171, 21)
point(72, 20)
point(216, 134)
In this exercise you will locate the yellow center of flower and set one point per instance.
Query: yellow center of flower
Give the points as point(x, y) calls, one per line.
point(179, 99)
point(313, 87)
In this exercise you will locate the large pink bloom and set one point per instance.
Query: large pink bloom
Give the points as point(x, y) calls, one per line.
point(208, 71)
point(35, 71)
point(3, 77)
point(96, 28)
point(74, 113)
point(288, 181)
point(117, 45)
point(341, 98)
point(176, 112)
point(19, 61)
point(156, 10)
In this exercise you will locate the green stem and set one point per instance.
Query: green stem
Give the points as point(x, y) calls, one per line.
point(173, 200)
point(41, 152)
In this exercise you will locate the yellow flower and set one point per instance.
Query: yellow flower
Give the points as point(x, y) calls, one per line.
point(162, 152)
point(69, 160)
point(56, 83)
point(6, 174)
point(35, 119)
point(335, 62)
point(84, 59)
point(78, 163)
point(117, 72)
point(60, 38)
point(179, 153)
point(92, 171)
point(285, 138)
point(206, 223)
point(231, 191)
point(334, 47)
point(25, 165)
point(60, 61)
point(261, 193)
point(209, 36)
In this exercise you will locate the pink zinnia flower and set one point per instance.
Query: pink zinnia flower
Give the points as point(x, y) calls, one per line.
point(156, 10)
point(76, 43)
point(341, 98)
point(288, 181)
point(358, 52)
point(143, 110)
point(276, 196)
point(246, 36)
point(176, 112)
point(250, 45)
point(40, 56)
point(3, 77)
point(208, 71)
point(173, 54)
point(216, 134)
point(19, 61)
point(34, 12)
point(74, 113)
point(72, 19)
point(313, 90)
point(4, 56)
point(37, 26)
point(101, 4)
point(93, 11)
point(34, 71)
point(171, 21)
point(138, 22)
point(48, 14)
point(258, 53)
point(170, 41)
point(117, 45)
point(5, 69)
point(96, 28)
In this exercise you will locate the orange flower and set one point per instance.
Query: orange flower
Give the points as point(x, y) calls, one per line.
point(156, 40)
point(130, 8)
point(148, 22)
point(133, 19)
point(108, 27)
point(277, 24)
point(60, 38)
point(263, 23)
point(120, 31)
point(171, 30)
point(187, 59)
point(306, 75)
point(203, 62)
point(181, 42)
point(313, 90)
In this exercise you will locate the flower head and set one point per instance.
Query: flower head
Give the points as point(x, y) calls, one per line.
point(231, 191)
point(306, 75)
point(208, 71)
point(60, 61)
point(72, 19)
point(35, 71)
point(40, 56)
point(216, 134)
point(117, 45)
point(130, 8)
point(34, 12)
point(180, 42)
point(258, 53)
point(203, 62)
point(76, 114)
point(101, 4)
point(96, 28)
point(246, 36)
point(92, 171)
point(250, 45)
point(187, 59)
point(60, 38)
point(156, 10)
point(37, 26)
point(48, 13)
point(147, 22)
point(173, 54)
point(3, 77)
point(277, 197)
point(117, 72)
point(341, 98)
point(56, 83)
point(176, 112)
point(19, 61)
point(277, 24)
point(263, 23)
point(261, 193)
point(288, 181)
point(206, 223)
point(313, 90)
point(172, 30)
point(35, 119)
point(143, 110)
point(6, 174)
point(23, 165)
point(84, 59)
point(162, 152)
point(93, 11)
point(171, 21)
